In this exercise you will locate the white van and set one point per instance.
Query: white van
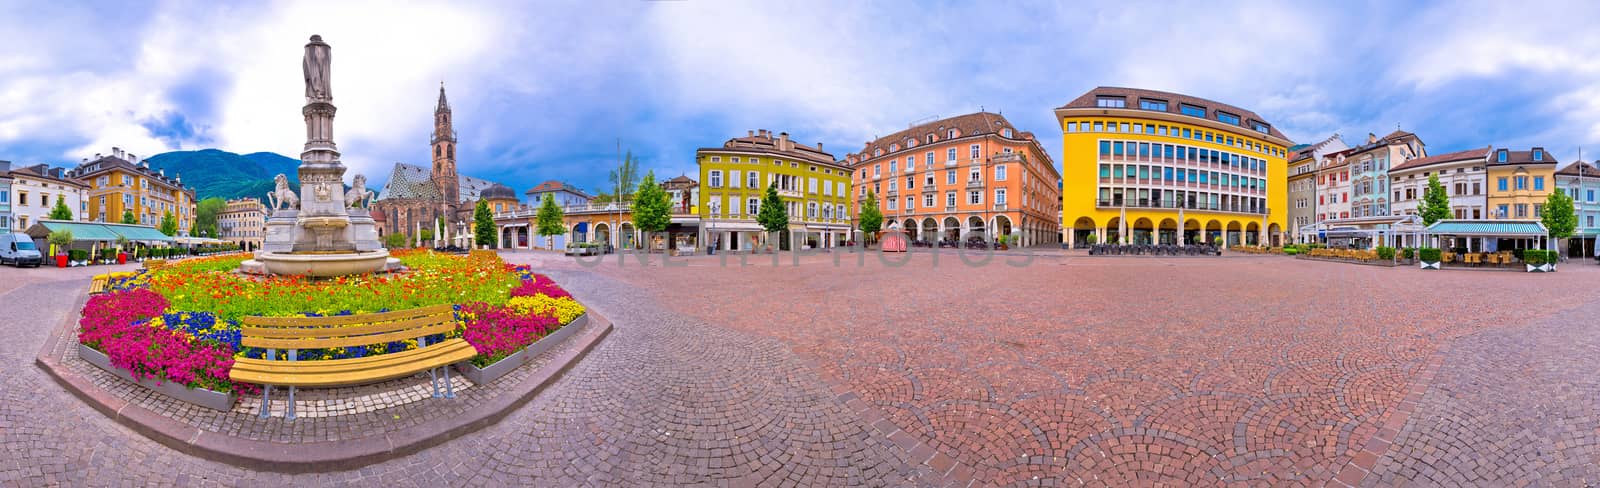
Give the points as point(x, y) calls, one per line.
point(18, 249)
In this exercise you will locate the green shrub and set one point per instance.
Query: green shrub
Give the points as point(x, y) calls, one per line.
point(1428, 254)
point(1409, 253)
point(1537, 257)
point(1385, 253)
point(1291, 251)
point(78, 255)
point(108, 254)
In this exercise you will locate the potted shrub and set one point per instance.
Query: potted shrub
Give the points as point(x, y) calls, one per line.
point(1000, 242)
point(1539, 261)
point(122, 254)
point(1385, 253)
point(1217, 241)
point(1429, 257)
point(108, 256)
point(59, 240)
point(1408, 253)
point(78, 257)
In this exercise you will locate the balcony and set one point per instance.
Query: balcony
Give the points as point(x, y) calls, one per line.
point(790, 193)
point(893, 192)
point(971, 184)
point(999, 207)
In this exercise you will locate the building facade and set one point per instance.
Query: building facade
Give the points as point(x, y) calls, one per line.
point(1369, 166)
point(1461, 173)
point(1333, 187)
point(1519, 182)
point(734, 178)
point(564, 194)
point(1144, 166)
point(5, 197)
point(35, 191)
point(974, 175)
point(1302, 194)
point(243, 222)
point(415, 198)
point(121, 182)
point(1581, 181)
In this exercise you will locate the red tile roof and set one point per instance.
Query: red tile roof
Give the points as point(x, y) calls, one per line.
point(1589, 170)
point(1480, 154)
point(973, 124)
point(1174, 104)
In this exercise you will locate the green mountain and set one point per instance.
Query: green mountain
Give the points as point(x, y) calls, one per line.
point(218, 173)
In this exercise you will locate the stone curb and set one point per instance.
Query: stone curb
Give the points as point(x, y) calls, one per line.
point(314, 457)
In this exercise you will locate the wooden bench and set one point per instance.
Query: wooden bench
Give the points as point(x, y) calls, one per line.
point(98, 284)
point(296, 333)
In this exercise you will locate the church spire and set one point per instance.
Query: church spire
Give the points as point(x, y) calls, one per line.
point(444, 105)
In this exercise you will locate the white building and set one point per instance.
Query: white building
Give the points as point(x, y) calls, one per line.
point(1462, 174)
point(1333, 187)
point(36, 189)
point(1581, 181)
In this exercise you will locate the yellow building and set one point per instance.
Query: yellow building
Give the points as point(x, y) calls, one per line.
point(1137, 162)
point(243, 222)
point(734, 177)
point(1519, 182)
point(120, 182)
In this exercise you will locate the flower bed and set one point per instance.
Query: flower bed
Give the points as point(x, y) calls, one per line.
point(180, 323)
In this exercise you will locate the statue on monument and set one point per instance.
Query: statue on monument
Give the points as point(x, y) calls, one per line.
point(317, 66)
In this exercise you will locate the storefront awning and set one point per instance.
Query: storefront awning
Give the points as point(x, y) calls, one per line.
point(1489, 228)
point(97, 231)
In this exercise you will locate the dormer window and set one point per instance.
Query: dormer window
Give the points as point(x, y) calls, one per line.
point(930, 138)
point(951, 134)
point(1193, 110)
point(1538, 154)
point(1501, 156)
point(1006, 133)
point(1111, 102)
point(1263, 128)
point(1151, 104)
point(1227, 118)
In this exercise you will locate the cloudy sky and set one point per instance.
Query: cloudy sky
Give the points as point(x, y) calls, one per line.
point(545, 90)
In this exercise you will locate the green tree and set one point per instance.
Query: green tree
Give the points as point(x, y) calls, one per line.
point(1558, 215)
point(59, 240)
point(426, 234)
point(60, 211)
point(549, 220)
point(1435, 204)
point(483, 229)
point(205, 216)
point(871, 218)
point(128, 218)
point(169, 224)
point(395, 241)
point(625, 177)
point(652, 208)
point(773, 216)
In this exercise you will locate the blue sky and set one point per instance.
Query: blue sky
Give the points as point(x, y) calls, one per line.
point(546, 90)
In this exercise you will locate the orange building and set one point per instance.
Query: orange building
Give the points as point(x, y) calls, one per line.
point(971, 175)
point(121, 183)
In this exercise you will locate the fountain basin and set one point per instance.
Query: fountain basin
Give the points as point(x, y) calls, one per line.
point(321, 265)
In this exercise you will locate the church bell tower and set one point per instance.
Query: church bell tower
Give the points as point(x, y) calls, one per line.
point(444, 153)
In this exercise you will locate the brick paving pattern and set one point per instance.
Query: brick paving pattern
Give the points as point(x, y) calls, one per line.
point(1119, 370)
point(1238, 370)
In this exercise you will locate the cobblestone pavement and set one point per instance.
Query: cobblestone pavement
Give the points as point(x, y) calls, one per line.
point(1510, 406)
point(1122, 370)
point(1104, 371)
point(663, 400)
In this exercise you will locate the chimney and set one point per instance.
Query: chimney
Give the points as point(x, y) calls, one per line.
point(1371, 138)
point(819, 146)
point(5, 167)
point(749, 133)
point(96, 156)
point(783, 141)
point(763, 133)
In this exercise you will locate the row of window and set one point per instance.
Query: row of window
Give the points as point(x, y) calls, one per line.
point(1520, 182)
point(949, 134)
point(974, 197)
point(973, 152)
point(775, 162)
point(1173, 199)
point(974, 175)
point(1144, 151)
point(752, 207)
point(1158, 105)
point(785, 182)
point(1180, 176)
point(1175, 131)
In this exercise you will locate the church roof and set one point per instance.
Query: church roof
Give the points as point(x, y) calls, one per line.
point(409, 181)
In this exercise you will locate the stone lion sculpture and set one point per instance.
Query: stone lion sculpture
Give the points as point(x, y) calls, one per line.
point(282, 195)
point(359, 195)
